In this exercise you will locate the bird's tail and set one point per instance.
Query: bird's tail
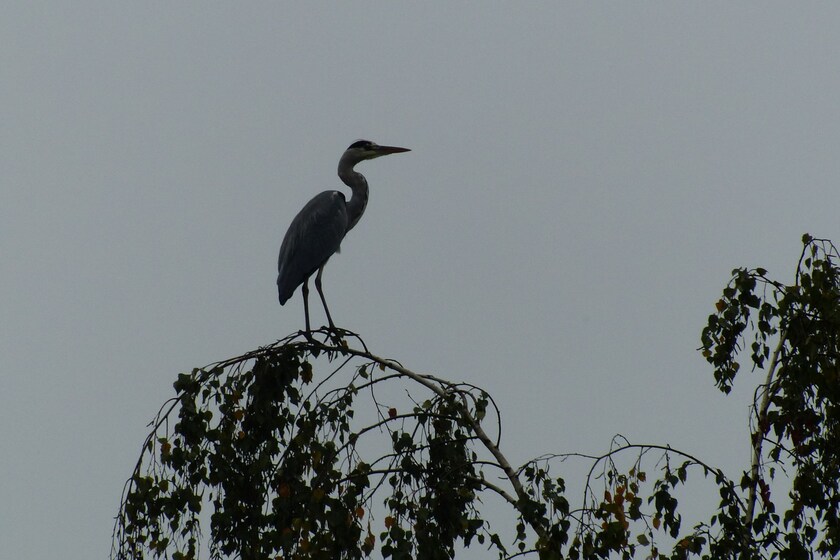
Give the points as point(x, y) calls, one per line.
point(283, 291)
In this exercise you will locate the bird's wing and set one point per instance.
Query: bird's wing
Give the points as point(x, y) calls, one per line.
point(313, 236)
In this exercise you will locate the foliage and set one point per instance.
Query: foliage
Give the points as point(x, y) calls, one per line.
point(311, 450)
point(794, 332)
point(281, 463)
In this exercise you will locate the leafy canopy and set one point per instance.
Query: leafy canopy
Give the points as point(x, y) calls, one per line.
point(319, 450)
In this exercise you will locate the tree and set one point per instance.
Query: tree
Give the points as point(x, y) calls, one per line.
point(279, 461)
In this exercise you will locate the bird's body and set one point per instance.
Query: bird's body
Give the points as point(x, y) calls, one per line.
point(316, 232)
point(318, 229)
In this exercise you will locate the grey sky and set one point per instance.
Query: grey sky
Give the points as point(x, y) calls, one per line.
point(583, 179)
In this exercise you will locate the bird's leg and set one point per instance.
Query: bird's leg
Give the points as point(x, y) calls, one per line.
point(305, 290)
point(324, 301)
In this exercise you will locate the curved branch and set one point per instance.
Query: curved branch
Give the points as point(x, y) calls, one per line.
point(435, 384)
point(643, 448)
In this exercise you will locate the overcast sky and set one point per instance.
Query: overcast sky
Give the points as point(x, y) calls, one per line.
point(582, 180)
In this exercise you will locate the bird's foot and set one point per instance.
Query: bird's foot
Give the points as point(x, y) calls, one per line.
point(313, 346)
point(335, 336)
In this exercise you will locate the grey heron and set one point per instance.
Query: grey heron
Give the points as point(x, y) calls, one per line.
point(318, 229)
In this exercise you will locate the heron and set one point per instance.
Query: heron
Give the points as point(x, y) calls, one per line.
point(315, 234)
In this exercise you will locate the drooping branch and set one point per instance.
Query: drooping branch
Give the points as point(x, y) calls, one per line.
point(443, 388)
point(436, 384)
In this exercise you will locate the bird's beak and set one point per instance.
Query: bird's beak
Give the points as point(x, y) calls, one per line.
point(385, 150)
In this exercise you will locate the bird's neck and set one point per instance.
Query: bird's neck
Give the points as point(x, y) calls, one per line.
point(357, 203)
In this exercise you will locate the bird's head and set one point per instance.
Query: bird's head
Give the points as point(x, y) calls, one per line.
point(361, 150)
